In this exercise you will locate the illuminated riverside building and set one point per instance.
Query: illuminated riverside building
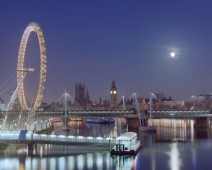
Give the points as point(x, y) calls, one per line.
point(108, 104)
point(82, 97)
point(101, 105)
point(113, 96)
point(203, 101)
point(80, 94)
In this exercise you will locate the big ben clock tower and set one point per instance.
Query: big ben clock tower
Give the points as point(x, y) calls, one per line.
point(113, 96)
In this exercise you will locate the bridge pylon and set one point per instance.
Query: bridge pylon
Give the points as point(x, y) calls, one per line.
point(65, 97)
point(142, 118)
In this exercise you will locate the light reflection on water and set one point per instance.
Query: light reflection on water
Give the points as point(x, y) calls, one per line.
point(177, 147)
point(175, 162)
point(174, 129)
point(85, 161)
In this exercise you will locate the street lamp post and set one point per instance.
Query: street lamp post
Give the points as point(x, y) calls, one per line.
point(193, 98)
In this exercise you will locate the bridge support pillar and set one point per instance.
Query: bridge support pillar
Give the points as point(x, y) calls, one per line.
point(65, 123)
point(133, 122)
point(201, 123)
point(32, 147)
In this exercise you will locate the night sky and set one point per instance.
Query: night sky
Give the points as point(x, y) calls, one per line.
point(94, 42)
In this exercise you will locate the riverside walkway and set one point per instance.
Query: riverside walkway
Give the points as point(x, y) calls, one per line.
point(126, 144)
point(28, 137)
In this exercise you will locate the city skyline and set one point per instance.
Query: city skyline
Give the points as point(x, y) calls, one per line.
point(98, 42)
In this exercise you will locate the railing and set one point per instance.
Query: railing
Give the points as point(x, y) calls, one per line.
point(175, 114)
point(86, 114)
point(182, 114)
point(182, 111)
point(92, 112)
point(72, 139)
point(60, 139)
point(14, 135)
point(9, 136)
point(129, 114)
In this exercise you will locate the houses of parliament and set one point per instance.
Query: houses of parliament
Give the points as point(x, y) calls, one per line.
point(82, 98)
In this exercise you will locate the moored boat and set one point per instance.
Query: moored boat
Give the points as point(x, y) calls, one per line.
point(126, 144)
point(100, 120)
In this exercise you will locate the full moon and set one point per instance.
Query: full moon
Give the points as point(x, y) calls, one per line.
point(172, 54)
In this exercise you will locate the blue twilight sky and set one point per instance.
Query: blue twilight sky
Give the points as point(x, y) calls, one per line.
point(94, 42)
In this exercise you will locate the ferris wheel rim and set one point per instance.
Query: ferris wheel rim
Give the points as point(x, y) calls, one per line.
point(32, 27)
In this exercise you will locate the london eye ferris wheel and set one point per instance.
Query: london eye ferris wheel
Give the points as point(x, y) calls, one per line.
point(21, 70)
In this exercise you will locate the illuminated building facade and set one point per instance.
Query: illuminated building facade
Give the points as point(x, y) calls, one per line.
point(113, 96)
point(82, 97)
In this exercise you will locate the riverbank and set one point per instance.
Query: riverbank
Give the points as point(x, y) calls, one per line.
point(3, 146)
point(10, 149)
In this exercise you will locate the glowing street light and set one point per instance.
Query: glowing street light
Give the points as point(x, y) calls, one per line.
point(193, 98)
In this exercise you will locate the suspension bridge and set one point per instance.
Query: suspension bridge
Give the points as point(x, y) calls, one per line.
point(157, 114)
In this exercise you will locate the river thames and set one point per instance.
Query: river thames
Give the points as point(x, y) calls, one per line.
point(176, 145)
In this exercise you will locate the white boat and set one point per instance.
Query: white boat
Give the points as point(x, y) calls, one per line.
point(126, 144)
point(100, 120)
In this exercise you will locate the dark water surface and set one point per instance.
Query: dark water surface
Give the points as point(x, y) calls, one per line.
point(177, 147)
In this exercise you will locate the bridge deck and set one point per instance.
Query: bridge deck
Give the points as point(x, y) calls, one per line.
point(132, 114)
point(128, 114)
point(88, 114)
point(29, 137)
